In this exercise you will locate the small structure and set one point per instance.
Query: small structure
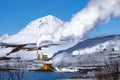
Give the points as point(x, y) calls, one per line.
point(113, 49)
point(45, 57)
point(104, 49)
point(39, 56)
point(42, 57)
point(47, 67)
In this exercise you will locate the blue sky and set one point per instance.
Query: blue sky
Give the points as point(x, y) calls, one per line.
point(16, 14)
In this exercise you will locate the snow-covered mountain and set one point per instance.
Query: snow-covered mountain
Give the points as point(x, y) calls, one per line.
point(36, 28)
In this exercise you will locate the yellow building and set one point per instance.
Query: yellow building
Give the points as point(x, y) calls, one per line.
point(47, 66)
point(39, 56)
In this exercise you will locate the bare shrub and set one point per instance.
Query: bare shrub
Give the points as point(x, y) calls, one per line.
point(110, 71)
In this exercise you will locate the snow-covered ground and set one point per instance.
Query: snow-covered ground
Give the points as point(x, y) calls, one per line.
point(3, 51)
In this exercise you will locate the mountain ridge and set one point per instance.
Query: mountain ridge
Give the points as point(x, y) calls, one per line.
point(90, 42)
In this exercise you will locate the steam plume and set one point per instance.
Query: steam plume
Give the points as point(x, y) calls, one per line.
point(96, 12)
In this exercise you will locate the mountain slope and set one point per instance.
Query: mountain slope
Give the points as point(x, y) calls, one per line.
point(36, 28)
point(94, 45)
point(3, 37)
point(89, 52)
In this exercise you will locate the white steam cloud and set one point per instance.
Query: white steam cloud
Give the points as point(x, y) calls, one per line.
point(96, 12)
